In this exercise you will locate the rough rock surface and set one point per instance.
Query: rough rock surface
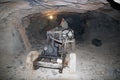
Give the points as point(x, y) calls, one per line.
point(93, 63)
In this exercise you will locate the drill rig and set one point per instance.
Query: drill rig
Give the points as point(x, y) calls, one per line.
point(54, 54)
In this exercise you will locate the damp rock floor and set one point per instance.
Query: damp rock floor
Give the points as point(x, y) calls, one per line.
point(93, 63)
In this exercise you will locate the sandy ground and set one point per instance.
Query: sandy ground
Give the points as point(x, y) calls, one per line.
point(93, 63)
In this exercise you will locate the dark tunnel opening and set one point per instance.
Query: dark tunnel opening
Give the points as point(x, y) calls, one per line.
point(75, 22)
point(40, 24)
point(91, 27)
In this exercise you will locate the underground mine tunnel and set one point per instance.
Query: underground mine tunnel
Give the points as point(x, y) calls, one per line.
point(40, 24)
point(28, 25)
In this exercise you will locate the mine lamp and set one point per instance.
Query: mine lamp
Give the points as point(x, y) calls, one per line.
point(51, 17)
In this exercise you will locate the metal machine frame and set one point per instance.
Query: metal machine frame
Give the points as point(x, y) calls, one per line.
point(58, 44)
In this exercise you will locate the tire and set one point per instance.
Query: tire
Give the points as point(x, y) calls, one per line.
point(60, 70)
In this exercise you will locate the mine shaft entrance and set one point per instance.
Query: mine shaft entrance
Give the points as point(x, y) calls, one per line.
point(39, 24)
point(87, 27)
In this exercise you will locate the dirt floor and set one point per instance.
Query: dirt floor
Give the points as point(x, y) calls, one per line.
point(93, 63)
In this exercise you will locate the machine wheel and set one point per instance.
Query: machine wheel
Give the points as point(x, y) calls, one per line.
point(72, 62)
point(60, 70)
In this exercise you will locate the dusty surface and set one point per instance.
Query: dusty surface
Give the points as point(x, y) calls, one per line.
point(93, 63)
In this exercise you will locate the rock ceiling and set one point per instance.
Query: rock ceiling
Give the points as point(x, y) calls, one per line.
point(32, 6)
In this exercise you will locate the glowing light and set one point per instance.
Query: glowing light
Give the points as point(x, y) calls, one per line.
point(51, 17)
point(50, 14)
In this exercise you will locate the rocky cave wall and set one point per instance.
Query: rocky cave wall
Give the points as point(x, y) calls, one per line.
point(13, 34)
point(102, 26)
